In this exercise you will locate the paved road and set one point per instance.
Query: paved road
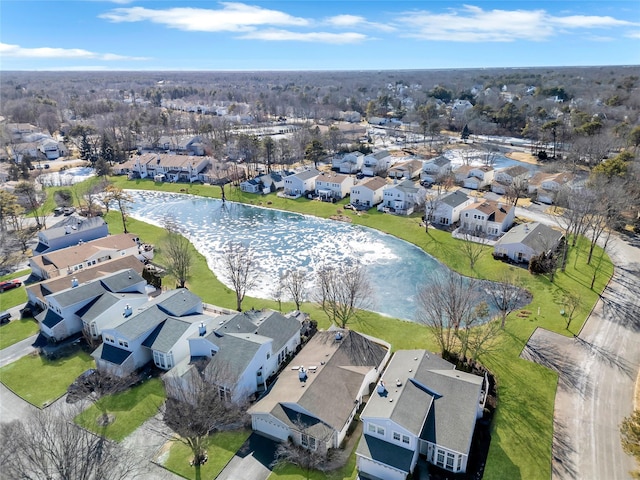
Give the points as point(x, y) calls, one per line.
point(252, 461)
point(597, 373)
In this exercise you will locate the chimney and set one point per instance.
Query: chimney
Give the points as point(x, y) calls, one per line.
point(67, 229)
point(302, 374)
point(338, 336)
point(381, 389)
point(74, 282)
point(202, 330)
point(127, 311)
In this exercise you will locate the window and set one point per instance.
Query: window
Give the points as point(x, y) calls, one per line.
point(268, 355)
point(450, 459)
point(122, 343)
point(440, 458)
point(405, 439)
point(224, 393)
point(380, 431)
point(459, 462)
point(396, 436)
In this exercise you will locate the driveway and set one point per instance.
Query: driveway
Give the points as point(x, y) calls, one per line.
point(252, 461)
point(597, 373)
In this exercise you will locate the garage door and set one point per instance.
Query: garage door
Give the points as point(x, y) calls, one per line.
point(270, 427)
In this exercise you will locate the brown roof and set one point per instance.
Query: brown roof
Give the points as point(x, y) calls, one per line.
point(490, 208)
point(58, 284)
point(340, 368)
point(560, 177)
point(374, 183)
point(78, 253)
point(332, 177)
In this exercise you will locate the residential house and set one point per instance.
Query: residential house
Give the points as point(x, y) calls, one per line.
point(182, 144)
point(301, 183)
point(128, 345)
point(49, 148)
point(69, 260)
point(20, 151)
point(506, 177)
point(175, 168)
point(435, 169)
point(369, 193)
point(376, 163)
point(70, 231)
point(17, 130)
point(267, 183)
point(544, 187)
point(487, 217)
point(479, 177)
point(316, 398)
point(37, 292)
point(331, 185)
point(445, 208)
point(422, 406)
point(248, 348)
point(462, 173)
point(405, 170)
point(62, 317)
point(252, 185)
point(401, 198)
point(527, 240)
point(348, 163)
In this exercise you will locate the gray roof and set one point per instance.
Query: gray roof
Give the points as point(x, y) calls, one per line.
point(166, 334)
point(111, 354)
point(385, 452)
point(122, 280)
point(440, 161)
point(515, 170)
point(49, 318)
point(455, 199)
point(178, 302)
point(380, 155)
point(406, 186)
point(427, 396)
point(236, 351)
point(307, 174)
point(97, 306)
point(80, 224)
point(298, 421)
point(537, 236)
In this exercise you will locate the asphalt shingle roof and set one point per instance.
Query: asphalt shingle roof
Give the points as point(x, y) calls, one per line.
point(385, 452)
point(455, 199)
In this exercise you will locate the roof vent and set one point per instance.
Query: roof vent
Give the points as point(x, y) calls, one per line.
point(127, 311)
point(302, 374)
point(398, 382)
point(202, 330)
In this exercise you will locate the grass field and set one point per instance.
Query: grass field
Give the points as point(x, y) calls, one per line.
point(15, 296)
point(40, 381)
point(129, 410)
point(523, 425)
point(17, 330)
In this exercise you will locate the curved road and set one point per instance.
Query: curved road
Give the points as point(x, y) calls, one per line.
point(597, 373)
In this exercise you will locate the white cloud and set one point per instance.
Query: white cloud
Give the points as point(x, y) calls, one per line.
point(635, 34)
point(8, 50)
point(473, 24)
point(321, 37)
point(232, 17)
point(341, 21)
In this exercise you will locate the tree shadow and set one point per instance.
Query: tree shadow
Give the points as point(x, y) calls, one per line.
point(563, 464)
point(608, 357)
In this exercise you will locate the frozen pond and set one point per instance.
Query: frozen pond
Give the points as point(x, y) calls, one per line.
point(283, 241)
point(66, 177)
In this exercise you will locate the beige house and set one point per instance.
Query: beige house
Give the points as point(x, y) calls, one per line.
point(331, 185)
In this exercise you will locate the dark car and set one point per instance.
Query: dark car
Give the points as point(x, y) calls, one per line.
point(5, 317)
point(9, 284)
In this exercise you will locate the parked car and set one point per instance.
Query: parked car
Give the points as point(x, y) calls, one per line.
point(5, 317)
point(9, 284)
point(46, 166)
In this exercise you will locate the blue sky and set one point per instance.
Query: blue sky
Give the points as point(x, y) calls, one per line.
point(315, 35)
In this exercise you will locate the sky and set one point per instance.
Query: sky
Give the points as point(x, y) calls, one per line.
point(315, 35)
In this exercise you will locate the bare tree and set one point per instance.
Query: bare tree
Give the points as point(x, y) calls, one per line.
point(49, 445)
point(177, 253)
point(482, 339)
point(571, 301)
point(122, 199)
point(33, 200)
point(343, 290)
point(201, 403)
point(506, 295)
point(517, 189)
point(445, 305)
point(294, 283)
point(240, 268)
point(473, 246)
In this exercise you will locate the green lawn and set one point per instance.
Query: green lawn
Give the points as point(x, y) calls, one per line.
point(17, 330)
point(523, 425)
point(130, 410)
point(222, 448)
point(40, 381)
point(291, 472)
point(15, 296)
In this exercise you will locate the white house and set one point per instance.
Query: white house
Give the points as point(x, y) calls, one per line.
point(401, 198)
point(435, 169)
point(316, 398)
point(422, 406)
point(49, 147)
point(545, 186)
point(127, 346)
point(250, 347)
point(301, 183)
point(63, 315)
point(70, 231)
point(331, 185)
point(506, 177)
point(527, 240)
point(479, 177)
point(253, 185)
point(445, 209)
point(405, 170)
point(369, 193)
point(378, 162)
point(487, 218)
point(348, 163)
